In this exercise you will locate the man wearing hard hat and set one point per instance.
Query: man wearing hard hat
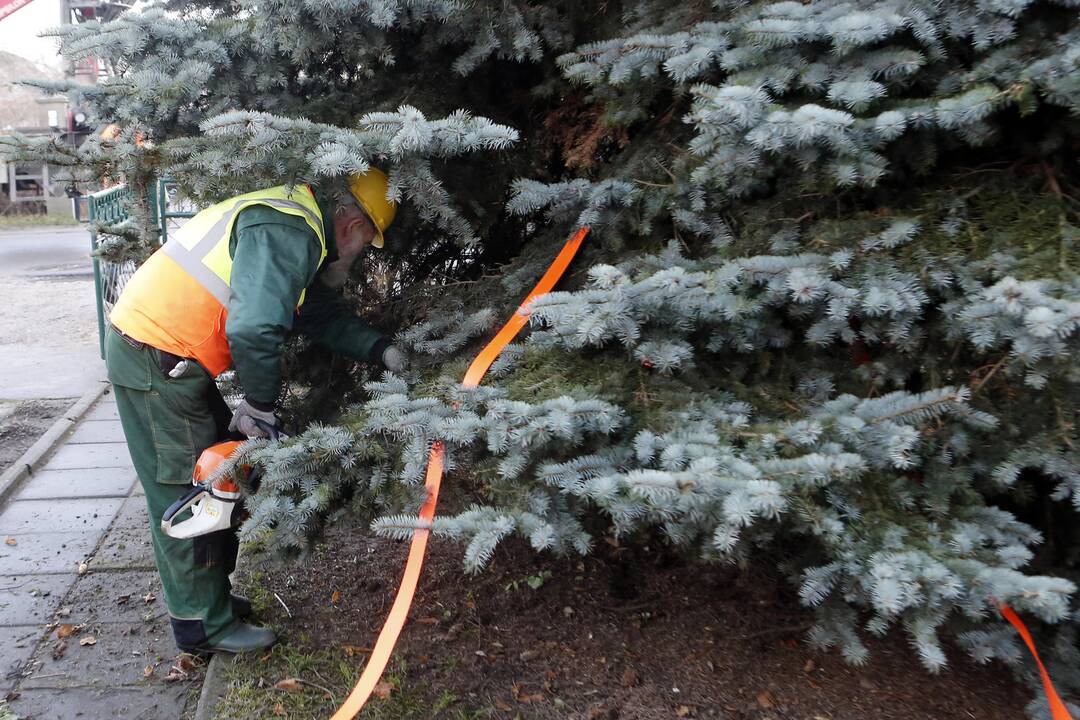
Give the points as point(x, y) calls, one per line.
point(225, 291)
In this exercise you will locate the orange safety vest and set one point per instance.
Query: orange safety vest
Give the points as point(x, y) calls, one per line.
point(177, 301)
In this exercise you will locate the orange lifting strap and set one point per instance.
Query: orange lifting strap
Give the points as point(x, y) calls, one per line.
point(380, 654)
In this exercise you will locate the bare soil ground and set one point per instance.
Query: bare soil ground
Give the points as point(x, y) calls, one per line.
point(22, 423)
point(626, 634)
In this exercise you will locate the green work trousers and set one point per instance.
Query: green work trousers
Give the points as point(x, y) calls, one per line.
point(168, 422)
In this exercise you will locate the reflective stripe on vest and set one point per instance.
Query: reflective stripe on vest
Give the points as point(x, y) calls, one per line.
point(178, 299)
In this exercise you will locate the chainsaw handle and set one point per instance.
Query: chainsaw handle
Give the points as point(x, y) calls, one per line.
point(180, 505)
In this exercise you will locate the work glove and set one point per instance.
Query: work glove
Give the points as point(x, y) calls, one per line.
point(395, 360)
point(253, 422)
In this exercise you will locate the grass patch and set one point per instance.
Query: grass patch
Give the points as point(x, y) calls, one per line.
point(18, 222)
point(324, 679)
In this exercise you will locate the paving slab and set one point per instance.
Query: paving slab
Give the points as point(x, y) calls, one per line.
point(119, 656)
point(93, 455)
point(90, 515)
point(18, 642)
point(125, 547)
point(155, 702)
point(133, 514)
point(96, 431)
point(52, 552)
point(102, 411)
point(116, 596)
point(30, 599)
point(91, 482)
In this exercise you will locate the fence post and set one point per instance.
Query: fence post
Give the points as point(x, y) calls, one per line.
point(91, 217)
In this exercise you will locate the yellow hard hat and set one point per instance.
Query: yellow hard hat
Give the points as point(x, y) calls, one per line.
point(369, 190)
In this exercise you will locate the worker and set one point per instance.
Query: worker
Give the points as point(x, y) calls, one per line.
point(225, 291)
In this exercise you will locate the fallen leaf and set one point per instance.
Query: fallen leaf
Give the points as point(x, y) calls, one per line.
point(187, 662)
point(629, 677)
point(88, 640)
point(289, 685)
point(684, 711)
point(523, 697)
point(501, 705)
point(12, 695)
point(123, 599)
point(148, 671)
point(175, 674)
point(149, 598)
point(353, 650)
point(279, 710)
point(65, 630)
point(335, 597)
point(11, 541)
point(765, 700)
point(383, 689)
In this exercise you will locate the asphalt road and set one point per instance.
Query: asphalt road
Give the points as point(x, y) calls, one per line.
point(48, 330)
point(45, 252)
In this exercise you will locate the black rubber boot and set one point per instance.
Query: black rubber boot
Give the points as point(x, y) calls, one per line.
point(245, 638)
point(241, 606)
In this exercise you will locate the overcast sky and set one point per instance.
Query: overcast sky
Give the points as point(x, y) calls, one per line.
point(18, 32)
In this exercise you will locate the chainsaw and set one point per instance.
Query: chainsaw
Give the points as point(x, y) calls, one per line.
point(212, 500)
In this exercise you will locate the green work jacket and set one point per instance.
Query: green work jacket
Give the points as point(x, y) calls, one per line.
point(275, 256)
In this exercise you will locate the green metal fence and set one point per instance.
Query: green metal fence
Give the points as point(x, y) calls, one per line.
point(110, 206)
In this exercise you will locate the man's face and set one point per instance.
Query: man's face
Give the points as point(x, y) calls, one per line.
point(353, 231)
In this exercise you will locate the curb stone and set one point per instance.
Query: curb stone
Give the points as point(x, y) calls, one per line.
point(213, 688)
point(29, 461)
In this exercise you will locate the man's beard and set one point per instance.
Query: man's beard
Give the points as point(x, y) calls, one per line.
point(336, 273)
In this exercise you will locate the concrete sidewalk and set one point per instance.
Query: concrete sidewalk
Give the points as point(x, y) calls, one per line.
point(75, 556)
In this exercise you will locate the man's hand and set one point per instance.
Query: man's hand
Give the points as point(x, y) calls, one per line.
point(395, 360)
point(253, 422)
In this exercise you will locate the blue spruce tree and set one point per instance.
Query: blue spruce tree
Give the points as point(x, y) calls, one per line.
point(830, 305)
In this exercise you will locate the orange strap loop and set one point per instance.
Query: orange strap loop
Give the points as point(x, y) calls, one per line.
point(395, 621)
point(1058, 711)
